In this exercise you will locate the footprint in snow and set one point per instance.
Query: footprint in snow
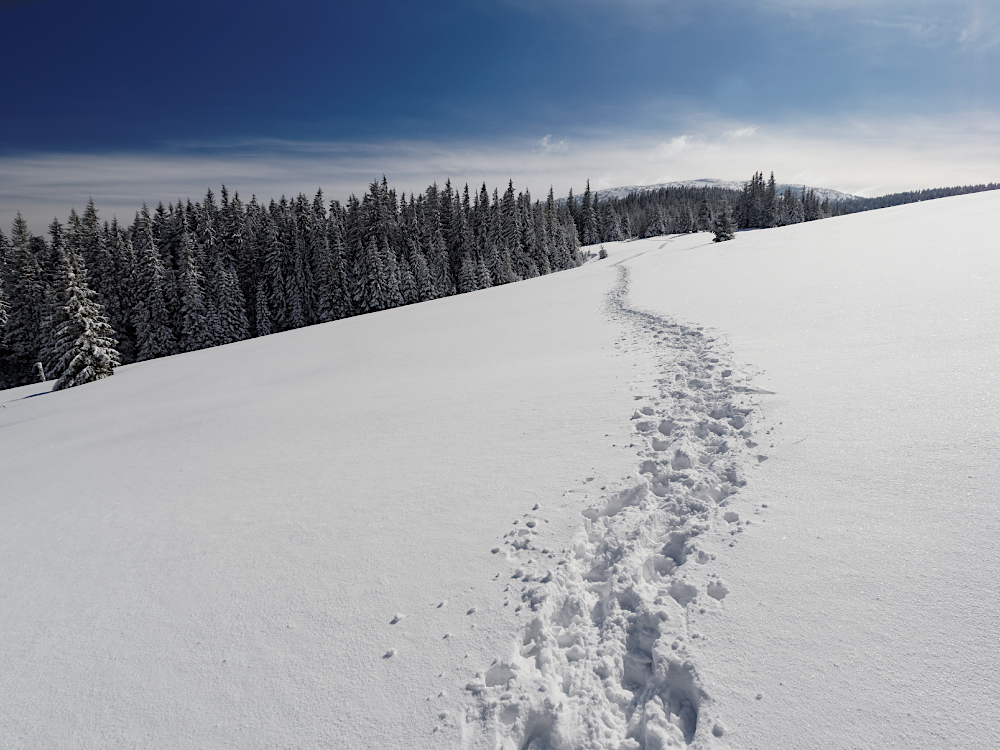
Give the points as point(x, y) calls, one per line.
point(717, 591)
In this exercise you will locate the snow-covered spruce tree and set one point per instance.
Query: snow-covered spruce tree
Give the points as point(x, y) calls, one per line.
point(120, 316)
point(467, 276)
point(262, 313)
point(543, 242)
point(612, 224)
point(724, 226)
point(588, 218)
point(704, 221)
point(54, 259)
point(393, 295)
point(83, 343)
point(370, 278)
point(197, 325)
point(771, 203)
point(423, 281)
point(154, 337)
point(529, 240)
point(26, 297)
point(510, 234)
point(4, 316)
point(628, 231)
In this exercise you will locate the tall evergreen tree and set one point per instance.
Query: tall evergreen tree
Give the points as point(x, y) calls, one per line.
point(703, 223)
point(26, 297)
point(589, 232)
point(771, 203)
point(422, 279)
point(370, 279)
point(154, 336)
point(83, 342)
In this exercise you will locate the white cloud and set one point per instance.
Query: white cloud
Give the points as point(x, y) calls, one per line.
point(862, 154)
point(550, 147)
point(746, 132)
point(675, 146)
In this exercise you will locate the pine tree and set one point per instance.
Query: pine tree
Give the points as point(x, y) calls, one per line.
point(370, 276)
point(120, 314)
point(505, 273)
point(339, 268)
point(724, 226)
point(542, 253)
point(627, 227)
point(154, 337)
point(483, 279)
point(771, 203)
point(231, 306)
point(262, 313)
point(612, 231)
point(4, 317)
point(300, 280)
point(467, 275)
point(588, 231)
point(407, 284)
point(197, 330)
point(83, 342)
point(26, 298)
point(393, 295)
point(704, 221)
point(423, 281)
point(510, 235)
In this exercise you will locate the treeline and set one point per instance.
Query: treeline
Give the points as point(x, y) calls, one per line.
point(679, 210)
point(913, 196)
point(93, 294)
point(188, 276)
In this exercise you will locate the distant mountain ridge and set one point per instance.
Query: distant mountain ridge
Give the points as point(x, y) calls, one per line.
point(621, 192)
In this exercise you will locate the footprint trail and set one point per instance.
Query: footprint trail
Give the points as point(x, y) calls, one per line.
point(608, 658)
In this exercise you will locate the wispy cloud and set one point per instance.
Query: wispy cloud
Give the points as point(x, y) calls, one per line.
point(746, 132)
point(675, 146)
point(548, 146)
point(876, 155)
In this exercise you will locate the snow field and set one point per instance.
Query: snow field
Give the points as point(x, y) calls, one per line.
point(861, 614)
point(208, 550)
point(518, 518)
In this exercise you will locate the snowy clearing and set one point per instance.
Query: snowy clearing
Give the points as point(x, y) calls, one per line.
point(740, 495)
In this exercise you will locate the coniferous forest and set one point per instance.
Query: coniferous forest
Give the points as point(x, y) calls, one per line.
point(93, 294)
point(186, 276)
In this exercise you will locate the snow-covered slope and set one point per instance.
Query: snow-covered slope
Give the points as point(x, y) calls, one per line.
point(733, 495)
point(861, 612)
point(621, 192)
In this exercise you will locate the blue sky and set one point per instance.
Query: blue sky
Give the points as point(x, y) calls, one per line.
point(130, 102)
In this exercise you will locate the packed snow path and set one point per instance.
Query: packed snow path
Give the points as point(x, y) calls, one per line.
point(608, 659)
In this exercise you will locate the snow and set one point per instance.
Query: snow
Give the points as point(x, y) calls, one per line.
point(862, 613)
point(740, 495)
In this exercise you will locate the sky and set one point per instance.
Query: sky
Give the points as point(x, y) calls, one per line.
point(132, 103)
